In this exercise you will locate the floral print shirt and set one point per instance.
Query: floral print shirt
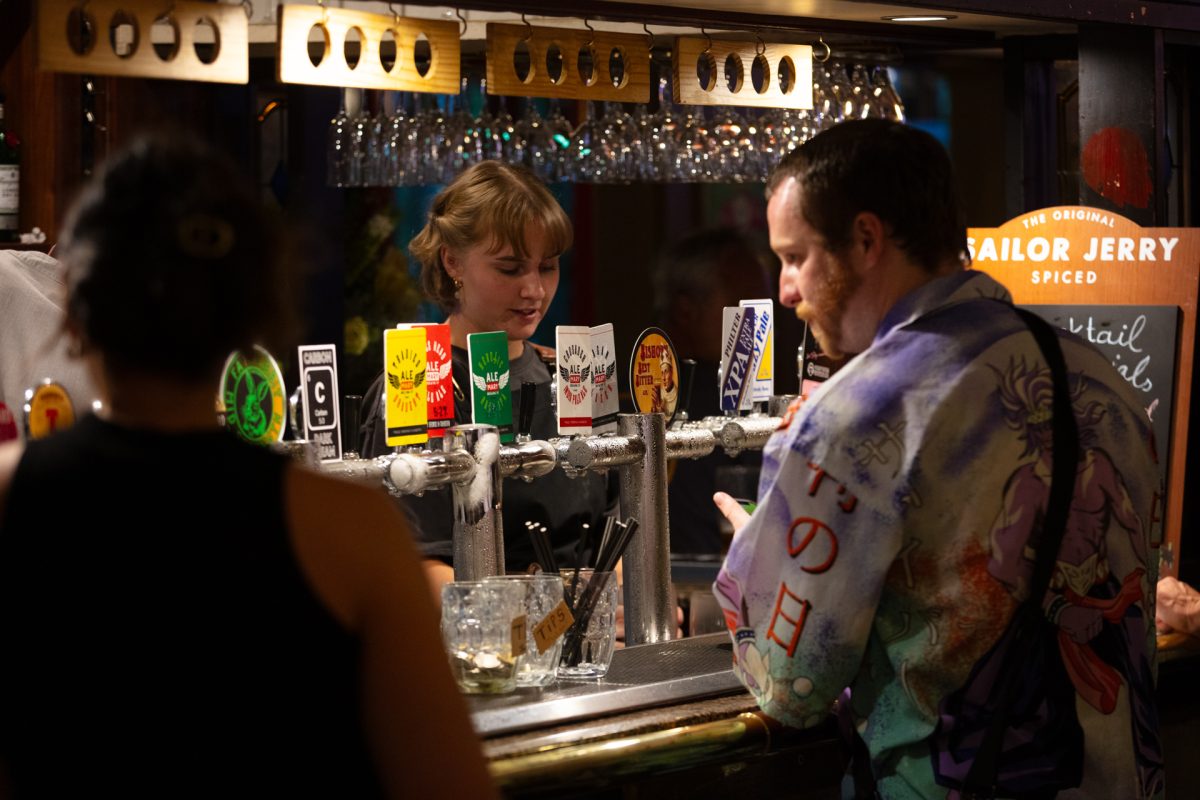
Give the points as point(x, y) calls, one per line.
point(890, 548)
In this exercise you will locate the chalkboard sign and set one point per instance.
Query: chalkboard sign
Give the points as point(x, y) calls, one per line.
point(1141, 342)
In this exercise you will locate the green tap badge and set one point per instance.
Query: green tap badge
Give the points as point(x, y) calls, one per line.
point(491, 395)
point(253, 395)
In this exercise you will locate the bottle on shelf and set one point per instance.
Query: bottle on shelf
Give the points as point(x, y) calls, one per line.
point(10, 180)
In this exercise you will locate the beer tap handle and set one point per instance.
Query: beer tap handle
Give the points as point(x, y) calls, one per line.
point(351, 410)
point(525, 423)
point(295, 410)
point(689, 373)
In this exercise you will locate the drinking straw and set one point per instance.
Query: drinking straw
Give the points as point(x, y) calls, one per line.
point(586, 604)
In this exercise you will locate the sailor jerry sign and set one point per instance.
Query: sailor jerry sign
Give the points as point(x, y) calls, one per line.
point(1131, 292)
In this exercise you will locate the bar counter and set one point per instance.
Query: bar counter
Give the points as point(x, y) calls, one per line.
point(671, 720)
point(669, 715)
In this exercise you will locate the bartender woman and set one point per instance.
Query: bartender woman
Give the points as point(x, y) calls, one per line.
point(489, 257)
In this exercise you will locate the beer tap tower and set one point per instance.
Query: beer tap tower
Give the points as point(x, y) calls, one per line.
point(473, 463)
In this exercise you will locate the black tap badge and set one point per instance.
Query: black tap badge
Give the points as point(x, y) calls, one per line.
point(318, 380)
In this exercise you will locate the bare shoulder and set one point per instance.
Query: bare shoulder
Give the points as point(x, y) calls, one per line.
point(348, 539)
point(322, 497)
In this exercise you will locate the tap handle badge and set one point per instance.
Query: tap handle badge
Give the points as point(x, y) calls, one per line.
point(654, 374)
point(736, 359)
point(405, 368)
point(253, 396)
point(573, 367)
point(605, 402)
point(491, 394)
point(320, 417)
point(48, 408)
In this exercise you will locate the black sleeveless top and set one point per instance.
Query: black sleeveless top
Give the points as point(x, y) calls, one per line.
point(158, 637)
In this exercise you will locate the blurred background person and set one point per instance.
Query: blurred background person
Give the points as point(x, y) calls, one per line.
point(32, 344)
point(696, 279)
point(182, 612)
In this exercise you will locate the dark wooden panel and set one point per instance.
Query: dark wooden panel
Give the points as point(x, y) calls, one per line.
point(1121, 120)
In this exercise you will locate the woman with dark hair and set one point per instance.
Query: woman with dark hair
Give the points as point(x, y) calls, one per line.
point(489, 257)
point(183, 613)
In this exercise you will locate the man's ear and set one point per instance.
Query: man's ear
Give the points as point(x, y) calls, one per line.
point(867, 237)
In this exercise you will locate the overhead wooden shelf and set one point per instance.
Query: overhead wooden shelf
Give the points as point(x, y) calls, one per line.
point(552, 59)
point(785, 71)
point(363, 67)
point(192, 41)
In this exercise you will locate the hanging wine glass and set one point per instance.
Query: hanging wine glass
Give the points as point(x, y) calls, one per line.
point(860, 94)
point(397, 122)
point(360, 127)
point(621, 140)
point(337, 148)
point(589, 161)
point(826, 111)
point(539, 148)
point(376, 146)
point(660, 138)
point(886, 96)
point(560, 130)
point(692, 157)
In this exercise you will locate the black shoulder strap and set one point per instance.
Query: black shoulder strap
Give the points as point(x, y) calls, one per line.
point(981, 779)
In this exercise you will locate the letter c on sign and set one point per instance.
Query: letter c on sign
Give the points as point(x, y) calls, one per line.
point(319, 392)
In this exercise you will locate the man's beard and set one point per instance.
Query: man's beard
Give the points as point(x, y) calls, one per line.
point(824, 315)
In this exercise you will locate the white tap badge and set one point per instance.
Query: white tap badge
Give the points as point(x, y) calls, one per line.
point(762, 369)
point(735, 377)
point(318, 380)
point(574, 344)
point(605, 402)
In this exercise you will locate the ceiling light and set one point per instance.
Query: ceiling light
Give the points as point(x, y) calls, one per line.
point(920, 18)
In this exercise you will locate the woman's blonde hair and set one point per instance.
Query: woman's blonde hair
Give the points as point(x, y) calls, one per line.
point(490, 202)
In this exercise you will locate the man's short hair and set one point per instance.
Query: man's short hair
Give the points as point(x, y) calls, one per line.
point(900, 174)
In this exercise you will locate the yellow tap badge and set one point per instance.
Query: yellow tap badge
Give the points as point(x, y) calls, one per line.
point(406, 409)
point(48, 408)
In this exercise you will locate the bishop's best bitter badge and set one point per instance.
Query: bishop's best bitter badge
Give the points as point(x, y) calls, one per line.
point(253, 395)
point(654, 374)
point(604, 379)
point(406, 409)
point(574, 346)
point(48, 408)
point(491, 395)
point(318, 380)
point(762, 366)
point(738, 352)
point(439, 378)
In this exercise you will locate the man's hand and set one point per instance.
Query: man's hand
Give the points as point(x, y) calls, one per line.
point(1178, 607)
point(733, 512)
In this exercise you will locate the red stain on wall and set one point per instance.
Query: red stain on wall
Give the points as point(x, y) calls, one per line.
point(1115, 166)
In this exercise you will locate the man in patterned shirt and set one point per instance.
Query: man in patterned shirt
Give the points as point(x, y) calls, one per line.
point(890, 546)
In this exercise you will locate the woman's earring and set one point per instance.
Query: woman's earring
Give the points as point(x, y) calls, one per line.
point(457, 285)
